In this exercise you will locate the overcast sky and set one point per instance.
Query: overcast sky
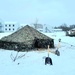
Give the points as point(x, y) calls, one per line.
point(49, 12)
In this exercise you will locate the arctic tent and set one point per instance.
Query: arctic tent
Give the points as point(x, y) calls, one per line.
point(25, 39)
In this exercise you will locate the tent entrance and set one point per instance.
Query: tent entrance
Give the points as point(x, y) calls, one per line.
point(37, 44)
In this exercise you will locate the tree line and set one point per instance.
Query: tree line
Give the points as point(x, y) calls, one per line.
point(64, 27)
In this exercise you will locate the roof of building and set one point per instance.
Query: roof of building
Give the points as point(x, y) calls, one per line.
point(10, 22)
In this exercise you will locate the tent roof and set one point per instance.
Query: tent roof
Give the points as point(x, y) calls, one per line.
point(25, 34)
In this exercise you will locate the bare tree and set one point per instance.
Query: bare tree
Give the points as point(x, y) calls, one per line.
point(36, 23)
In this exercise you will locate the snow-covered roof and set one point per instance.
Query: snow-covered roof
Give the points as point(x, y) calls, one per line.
point(10, 22)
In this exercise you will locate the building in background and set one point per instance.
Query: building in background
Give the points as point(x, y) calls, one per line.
point(38, 27)
point(10, 26)
point(14, 26)
point(1, 25)
point(1, 30)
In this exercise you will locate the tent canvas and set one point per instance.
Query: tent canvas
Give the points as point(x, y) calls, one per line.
point(27, 38)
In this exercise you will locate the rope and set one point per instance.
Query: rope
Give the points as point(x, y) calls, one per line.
point(17, 57)
point(71, 45)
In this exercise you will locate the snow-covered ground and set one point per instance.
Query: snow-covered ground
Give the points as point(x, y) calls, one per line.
point(33, 62)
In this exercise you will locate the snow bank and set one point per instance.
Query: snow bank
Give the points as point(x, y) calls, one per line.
point(33, 62)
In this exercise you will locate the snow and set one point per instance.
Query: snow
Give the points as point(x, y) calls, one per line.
point(33, 62)
point(5, 34)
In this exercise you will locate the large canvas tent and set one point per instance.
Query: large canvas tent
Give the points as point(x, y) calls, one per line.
point(27, 38)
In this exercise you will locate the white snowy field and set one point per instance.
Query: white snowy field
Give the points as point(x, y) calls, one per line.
point(33, 62)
